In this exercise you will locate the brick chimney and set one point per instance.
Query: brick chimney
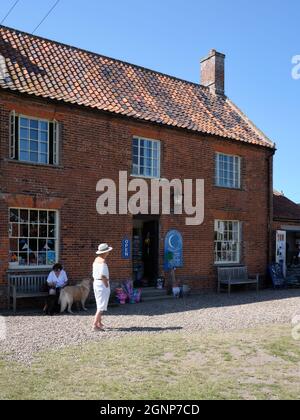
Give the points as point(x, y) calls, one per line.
point(213, 72)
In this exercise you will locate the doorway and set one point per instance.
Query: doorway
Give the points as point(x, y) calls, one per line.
point(145, 255)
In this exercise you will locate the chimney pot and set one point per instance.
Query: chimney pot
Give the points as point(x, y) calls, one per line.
point(213, 72)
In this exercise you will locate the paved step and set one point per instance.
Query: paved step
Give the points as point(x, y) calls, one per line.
point(152, 291)
point(150, 294)
point(157, 298)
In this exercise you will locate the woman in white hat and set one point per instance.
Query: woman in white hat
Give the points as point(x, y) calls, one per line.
point(101, 284)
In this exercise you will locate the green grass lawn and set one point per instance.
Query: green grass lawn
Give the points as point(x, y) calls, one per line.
point(263, 363)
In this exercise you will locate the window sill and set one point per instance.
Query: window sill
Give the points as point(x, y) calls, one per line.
point(229, 188)
point(39, 165)
point(26, 268)
point(145, 177)
point(224, 264)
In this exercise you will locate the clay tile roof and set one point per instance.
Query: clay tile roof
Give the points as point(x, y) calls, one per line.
point(285, 209)
point(44, 68)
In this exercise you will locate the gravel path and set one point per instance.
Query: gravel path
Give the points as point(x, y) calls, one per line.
point(29, 333)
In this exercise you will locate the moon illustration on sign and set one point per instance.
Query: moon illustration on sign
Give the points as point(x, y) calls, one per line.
point(174, 241)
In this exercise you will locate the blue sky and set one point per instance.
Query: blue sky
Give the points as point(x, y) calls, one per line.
point(259, 38)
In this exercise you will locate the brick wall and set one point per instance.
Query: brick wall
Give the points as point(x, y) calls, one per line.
point(96, 145)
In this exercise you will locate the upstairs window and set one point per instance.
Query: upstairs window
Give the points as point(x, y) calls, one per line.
point(228, 171)
point(146, 158)
point(34, 140)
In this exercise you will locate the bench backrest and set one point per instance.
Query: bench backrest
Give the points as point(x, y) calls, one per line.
point(28, 283)
point(233, 273)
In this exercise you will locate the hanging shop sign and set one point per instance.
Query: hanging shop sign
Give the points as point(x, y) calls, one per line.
point(126, 249)
point(173, 257)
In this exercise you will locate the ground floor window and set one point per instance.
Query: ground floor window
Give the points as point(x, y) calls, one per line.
point(33, 237)
point(227, 242)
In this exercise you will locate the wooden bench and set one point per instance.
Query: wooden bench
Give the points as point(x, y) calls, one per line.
point(26, 286)
point(231, 276)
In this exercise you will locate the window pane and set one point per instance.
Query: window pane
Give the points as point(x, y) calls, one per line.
point(34, 216)
point(33, 231)
point(51, 245)
point(44, 148)
point(14, 230)
point(34, 157)
point(24, 231)
point(33, 258)
point(23, 258)
point(24, 156)
point(44, 136)
point(14, 258)
point(33, 244)
point(24, 122)
point(24, 145)
point(52, 218)
point(13, 245)
point(34, 124)
point(24, 216)
point(51, 231)
point(42, 245)
point(43, 125)
point(24, 133)
point(34, 146)
point(14, 215)
point(43, 217)
point(51, 257)
point(23, 245)
point(43, 231)
point(42, 258)
point(43, 158)
point(34, 135)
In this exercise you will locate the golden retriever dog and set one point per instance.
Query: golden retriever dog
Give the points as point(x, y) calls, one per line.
point(74, 294)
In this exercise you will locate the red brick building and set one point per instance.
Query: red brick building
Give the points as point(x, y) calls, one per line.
point(287, 219)
point(70, 117)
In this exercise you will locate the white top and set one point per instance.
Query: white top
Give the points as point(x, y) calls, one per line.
point(100, 270)
point(59, 281)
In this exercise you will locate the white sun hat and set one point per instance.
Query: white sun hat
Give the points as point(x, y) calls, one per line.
point(103, 249)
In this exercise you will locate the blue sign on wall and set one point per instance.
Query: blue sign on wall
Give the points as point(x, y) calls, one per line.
point(173, 250)
point(126, 249)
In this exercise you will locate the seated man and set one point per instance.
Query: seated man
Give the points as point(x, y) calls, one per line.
point(56, 281)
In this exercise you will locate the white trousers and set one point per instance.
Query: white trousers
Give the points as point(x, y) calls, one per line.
point(102, 295)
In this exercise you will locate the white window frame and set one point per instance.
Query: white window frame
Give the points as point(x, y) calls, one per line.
point(12, 135)
point(56, 139)
point(19, 139)
point(13, 266)
point(236, 170)
point(239, 242)
point(139, 175)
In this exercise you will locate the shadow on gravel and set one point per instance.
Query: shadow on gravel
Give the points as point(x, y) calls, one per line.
point(162, 307)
